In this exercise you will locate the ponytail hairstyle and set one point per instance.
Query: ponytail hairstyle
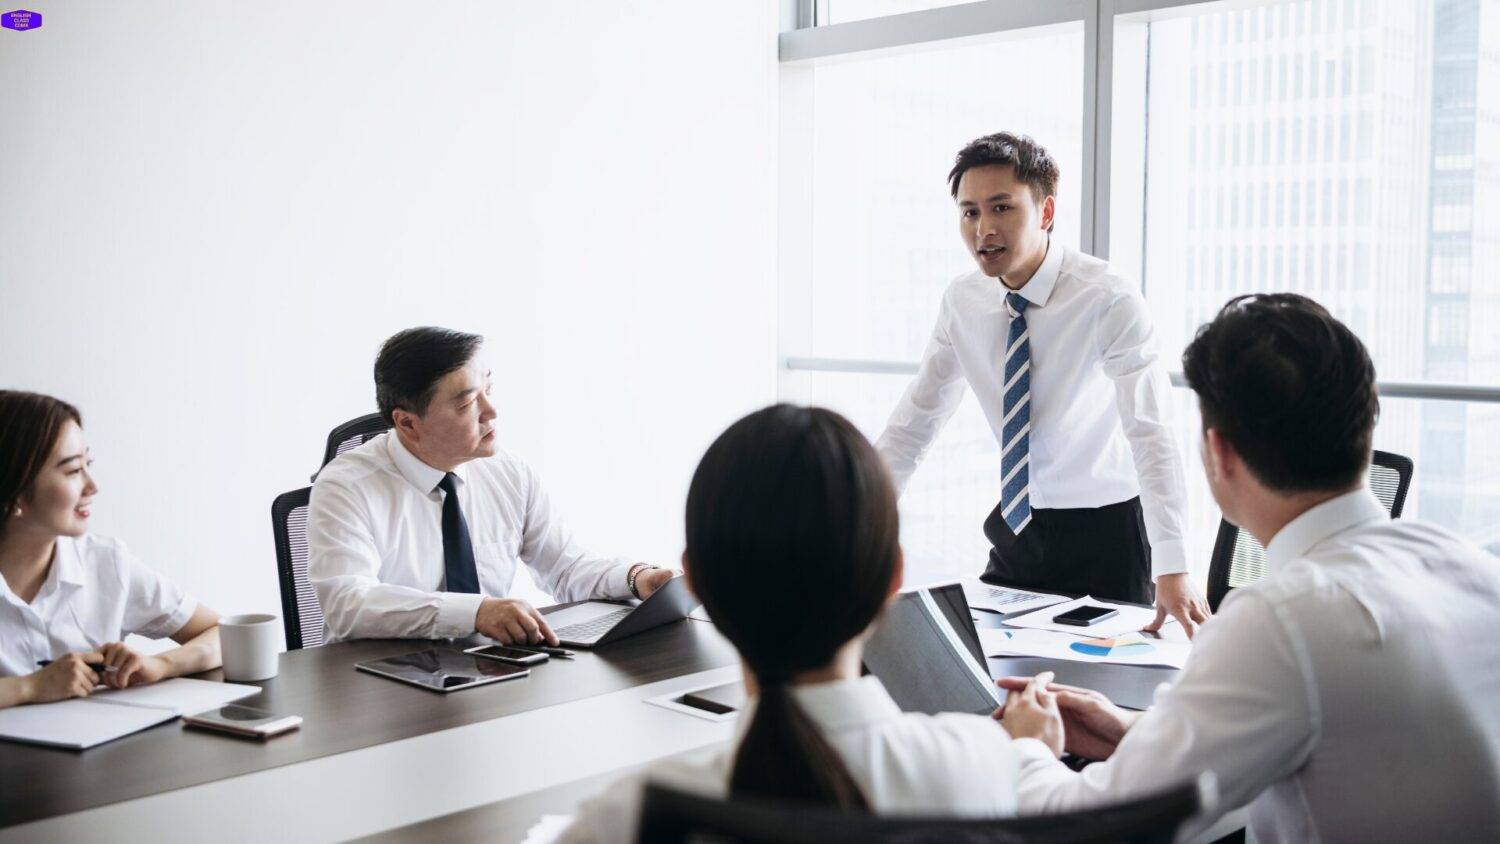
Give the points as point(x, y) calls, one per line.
point(793, 547)
point(30, 424)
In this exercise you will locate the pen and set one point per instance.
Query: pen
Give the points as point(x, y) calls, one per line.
point(557, 652)
point(43, 663)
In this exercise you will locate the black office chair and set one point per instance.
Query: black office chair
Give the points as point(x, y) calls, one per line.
point(670, 816)
point(351, 435)
point(1239, 559)
point(301, 614)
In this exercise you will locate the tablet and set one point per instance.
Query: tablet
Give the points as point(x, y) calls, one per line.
point(443, 669)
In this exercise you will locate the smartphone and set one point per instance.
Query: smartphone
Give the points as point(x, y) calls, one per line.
point(244, 721)
point(1084, 616)
point(501, 653)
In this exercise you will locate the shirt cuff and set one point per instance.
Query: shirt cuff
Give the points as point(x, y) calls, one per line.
point(456, 614)
point(1168, 557)
point(617, 582)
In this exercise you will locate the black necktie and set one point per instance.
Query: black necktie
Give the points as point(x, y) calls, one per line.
point(458, 551)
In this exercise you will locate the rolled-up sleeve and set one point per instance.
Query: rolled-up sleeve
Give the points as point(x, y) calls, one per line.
point(1130, 359)
point(343, 565)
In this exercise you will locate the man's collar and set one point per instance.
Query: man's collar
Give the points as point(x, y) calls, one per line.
point(1318, 523)
point(416, 472)
point(1038, 289)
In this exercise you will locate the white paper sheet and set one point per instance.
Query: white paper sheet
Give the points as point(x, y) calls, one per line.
point(1124, 649)
point(981, 595)
point(1130, 619)
point(109, 714)
point(181, 695)
point(76, 723)
point(548, 829)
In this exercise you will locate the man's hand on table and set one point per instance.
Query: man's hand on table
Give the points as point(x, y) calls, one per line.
point(1176, 594)
point(512, 621)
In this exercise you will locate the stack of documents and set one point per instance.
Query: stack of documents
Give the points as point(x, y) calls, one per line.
point(1125, 649)
point(1001, 599)
point(107, 715)
point(1114, 640)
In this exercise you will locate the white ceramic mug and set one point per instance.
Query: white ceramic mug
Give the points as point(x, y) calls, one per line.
point(250, 646)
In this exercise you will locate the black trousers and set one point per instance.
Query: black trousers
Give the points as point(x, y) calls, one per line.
point(1098, 551)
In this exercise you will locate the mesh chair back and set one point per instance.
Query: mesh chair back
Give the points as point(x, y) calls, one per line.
point(353, 434)
point(1239, 559)
point(300, 612)
point(672, 816)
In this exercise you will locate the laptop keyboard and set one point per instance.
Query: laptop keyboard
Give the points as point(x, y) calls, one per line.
point(583, 631)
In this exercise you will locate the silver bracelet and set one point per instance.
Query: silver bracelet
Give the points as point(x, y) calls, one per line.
point(633, 575)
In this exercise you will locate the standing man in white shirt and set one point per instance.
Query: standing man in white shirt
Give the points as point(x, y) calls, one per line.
point(1060, 352)
point(1353, 693)
point(418, 532)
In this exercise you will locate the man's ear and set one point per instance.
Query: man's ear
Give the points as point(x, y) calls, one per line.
point(405, 421)
point(1049, 211)
point(1220, 458)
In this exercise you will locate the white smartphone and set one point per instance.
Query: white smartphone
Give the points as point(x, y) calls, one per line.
point(248, 721)
point(513, 656)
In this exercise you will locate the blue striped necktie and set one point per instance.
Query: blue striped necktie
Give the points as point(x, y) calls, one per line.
point(1015, 441)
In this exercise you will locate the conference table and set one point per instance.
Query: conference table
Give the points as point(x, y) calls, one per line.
point(379, 758)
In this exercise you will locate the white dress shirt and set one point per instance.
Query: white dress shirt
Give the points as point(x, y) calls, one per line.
point(1355, 690)
point(1100, 433)
point(375, 543)
point(904, 763)
point(96, 592)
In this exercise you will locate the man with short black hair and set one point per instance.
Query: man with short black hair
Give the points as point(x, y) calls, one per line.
point(1349, 694)
point(418, 532)
point(1058, 348)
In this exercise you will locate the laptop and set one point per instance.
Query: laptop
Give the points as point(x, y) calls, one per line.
point(927, 654)
point(594, 623)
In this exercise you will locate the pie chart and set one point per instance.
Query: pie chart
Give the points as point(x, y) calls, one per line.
point(1118, 646)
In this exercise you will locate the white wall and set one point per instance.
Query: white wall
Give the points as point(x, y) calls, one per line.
point(211, 214)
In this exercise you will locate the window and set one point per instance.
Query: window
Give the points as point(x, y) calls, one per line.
point(844, 11)
point(881, 135)
point(1353, 127)
point(1383, 240)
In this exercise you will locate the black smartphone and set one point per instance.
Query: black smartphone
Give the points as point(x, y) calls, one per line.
point(1084, 616)
point(501, 653)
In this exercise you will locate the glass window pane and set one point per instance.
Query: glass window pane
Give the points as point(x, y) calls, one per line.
point(955, 488)
point(1384, 192)
point(1387, 197)
point(884, 133)
point(844, 11)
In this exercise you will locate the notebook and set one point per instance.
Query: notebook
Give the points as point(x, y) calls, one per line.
point(82, 723)
point(927, 654)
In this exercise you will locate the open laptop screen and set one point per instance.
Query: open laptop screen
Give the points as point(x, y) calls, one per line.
point(926, 652)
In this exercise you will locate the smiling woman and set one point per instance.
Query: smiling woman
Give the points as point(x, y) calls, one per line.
point(75, 596)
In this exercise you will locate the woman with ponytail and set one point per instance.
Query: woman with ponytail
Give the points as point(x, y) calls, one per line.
point(793, 547)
